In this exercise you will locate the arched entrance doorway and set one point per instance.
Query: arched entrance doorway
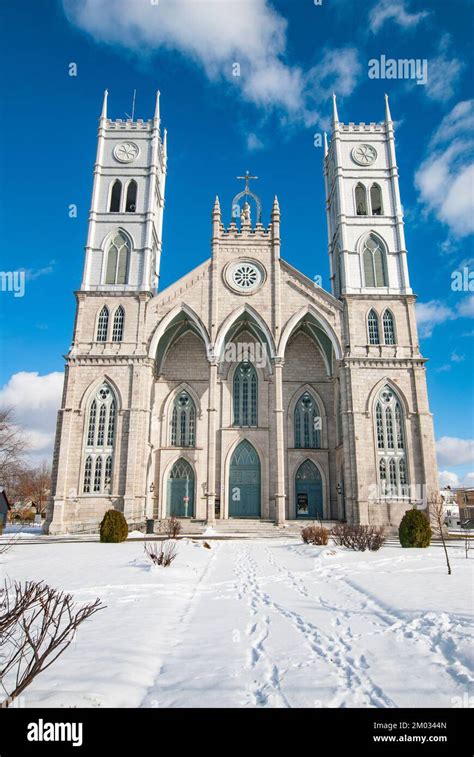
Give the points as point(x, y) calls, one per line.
point(180, 490)
point(308, 491)
point(244, 482)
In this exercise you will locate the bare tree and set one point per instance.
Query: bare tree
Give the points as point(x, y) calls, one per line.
point(34, 484)
point(37, 624)
point(437, 516)
point(467, 539)
point(12, 446)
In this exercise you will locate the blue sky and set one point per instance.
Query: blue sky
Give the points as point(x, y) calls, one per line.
point(291, 56)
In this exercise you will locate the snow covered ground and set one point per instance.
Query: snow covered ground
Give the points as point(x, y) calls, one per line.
point(257, 623)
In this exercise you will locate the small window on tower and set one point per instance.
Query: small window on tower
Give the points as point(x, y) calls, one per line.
point(116, 197)
point(131, 204)
point(376, 200)
point(360, 200)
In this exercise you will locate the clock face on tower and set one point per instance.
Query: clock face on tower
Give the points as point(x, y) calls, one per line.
point(364, 155)
point(126, 152)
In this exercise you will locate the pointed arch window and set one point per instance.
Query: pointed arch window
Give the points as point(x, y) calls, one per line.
point(388, 328)
point(115, 197)
point(383, 476)
point(103, 325)
point(98, 474)
point(111, 425)
point(361, 200)
point(100, 442)
point(92, 422)
point(183, 421)
point(108, 472)
point(376, 200)
point(380, 427)
point(245, 395)
point(117, 260)
point(307, 422)
point(117, 330)
point(87, 475)
point(392, 465)
point(373, 327)
point(131, 201)
point(374, 260)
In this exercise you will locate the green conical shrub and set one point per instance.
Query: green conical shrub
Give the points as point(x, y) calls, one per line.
point(113, 527)
point(414, 529)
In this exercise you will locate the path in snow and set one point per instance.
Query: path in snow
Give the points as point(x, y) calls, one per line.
point(259, 623)
point(261, 629)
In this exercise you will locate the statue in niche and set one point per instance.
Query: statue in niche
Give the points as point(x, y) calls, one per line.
point(245, 214)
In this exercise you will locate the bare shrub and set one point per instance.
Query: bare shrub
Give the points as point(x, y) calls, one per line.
point(37, 624)
point(171, 526)
point(24, 514)
point(437, 517)
point(317, 535)
point(161, 553)
point(359, 538)
point(376, 538)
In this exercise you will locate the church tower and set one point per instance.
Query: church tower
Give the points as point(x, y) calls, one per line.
point(126, 217)
point(101, 430)
point(364, 212)
point(389, 454)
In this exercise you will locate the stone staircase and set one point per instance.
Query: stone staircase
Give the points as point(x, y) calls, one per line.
point(246, 528)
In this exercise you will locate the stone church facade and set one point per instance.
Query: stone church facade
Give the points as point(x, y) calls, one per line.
point(244, 389)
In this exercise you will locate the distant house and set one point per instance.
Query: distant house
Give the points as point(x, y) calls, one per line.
point(4, 506)
point(465, 501)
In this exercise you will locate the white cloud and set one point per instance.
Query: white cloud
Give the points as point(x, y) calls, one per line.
point(455, 358)
point(466, 307)
point(445, 179)
point(430, 314)
point(396, 11)
point(443, 75)
point(454, 451)
point(448, 478)
point(460, 119)
point(34, 273)
point(226, 38)
point(254, 143)
point(338, 71)
point(469, 479)
point(444, 72)
point(35, 400)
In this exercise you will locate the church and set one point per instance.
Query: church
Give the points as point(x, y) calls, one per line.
point(244, 390)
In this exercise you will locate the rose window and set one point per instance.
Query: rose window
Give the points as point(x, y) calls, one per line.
point(246, 276)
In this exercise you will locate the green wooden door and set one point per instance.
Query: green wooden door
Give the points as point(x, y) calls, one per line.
point(309, 491)
point(244, 482)
point(180, 494)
